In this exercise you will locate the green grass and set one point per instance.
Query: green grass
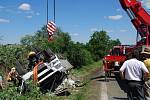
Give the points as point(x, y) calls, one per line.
point(85, 70)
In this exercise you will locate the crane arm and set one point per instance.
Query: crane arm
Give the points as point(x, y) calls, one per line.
point(139, 17)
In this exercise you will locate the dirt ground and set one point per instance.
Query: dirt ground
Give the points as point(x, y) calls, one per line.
point(94, 89)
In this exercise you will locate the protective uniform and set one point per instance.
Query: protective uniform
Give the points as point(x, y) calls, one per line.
point(13, 76)
point(33, 59)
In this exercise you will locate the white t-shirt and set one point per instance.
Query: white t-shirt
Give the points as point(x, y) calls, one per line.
point(133, 69)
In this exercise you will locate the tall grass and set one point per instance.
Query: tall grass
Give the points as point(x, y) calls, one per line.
point(85, 70)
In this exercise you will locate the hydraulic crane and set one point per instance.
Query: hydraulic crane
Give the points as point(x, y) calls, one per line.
point(140, 19)
point(118, 54)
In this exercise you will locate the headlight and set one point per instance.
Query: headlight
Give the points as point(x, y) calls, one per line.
point(116, 63)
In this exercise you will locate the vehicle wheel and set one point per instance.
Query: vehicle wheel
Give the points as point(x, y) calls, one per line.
point(106, 75)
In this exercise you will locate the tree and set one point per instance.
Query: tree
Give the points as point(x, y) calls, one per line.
point(27, 40)
point(113, 43)
point(97, 44)
point(10, 53)
point(78, 55)
point(100, 43)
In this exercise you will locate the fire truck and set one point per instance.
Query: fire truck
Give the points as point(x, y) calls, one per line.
point(117, 55)
point(141, 21)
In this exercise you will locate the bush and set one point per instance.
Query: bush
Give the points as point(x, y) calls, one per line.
point(79, 57)
point(12, 93)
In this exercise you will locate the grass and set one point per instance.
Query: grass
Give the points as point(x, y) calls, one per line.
point(85, 70)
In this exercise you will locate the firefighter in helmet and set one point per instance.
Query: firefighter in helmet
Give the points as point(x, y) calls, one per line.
point(33, 60)
point(13, 76)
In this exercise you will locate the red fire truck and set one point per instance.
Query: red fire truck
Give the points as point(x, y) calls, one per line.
point(113, 61)
point(141, 21)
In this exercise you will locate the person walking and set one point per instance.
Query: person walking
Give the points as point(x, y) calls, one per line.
point(132, 71)
point(146, 55)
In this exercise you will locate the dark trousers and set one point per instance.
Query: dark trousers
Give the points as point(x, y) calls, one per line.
point(135, 90)
point(122, 83)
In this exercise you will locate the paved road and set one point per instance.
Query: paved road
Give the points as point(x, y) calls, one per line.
point(113, 90)
point(102, 90)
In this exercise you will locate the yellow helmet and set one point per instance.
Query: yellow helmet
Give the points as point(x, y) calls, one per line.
point(31, 54)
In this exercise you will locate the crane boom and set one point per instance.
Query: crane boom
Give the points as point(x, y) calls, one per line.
point(119, 54)
point(139, 17)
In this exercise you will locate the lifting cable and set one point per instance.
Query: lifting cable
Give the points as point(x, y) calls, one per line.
point(51, 27)
point(54, 11)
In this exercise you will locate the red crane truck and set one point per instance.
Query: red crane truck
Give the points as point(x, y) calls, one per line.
point(141, 21)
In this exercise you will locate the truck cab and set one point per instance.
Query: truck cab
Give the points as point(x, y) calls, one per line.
point(115, 58)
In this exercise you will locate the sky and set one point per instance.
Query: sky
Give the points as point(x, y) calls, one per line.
point(80, 18)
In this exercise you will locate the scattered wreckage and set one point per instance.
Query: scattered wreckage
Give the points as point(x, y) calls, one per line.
point(51, 74)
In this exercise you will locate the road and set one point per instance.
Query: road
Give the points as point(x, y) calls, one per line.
point(104, 90)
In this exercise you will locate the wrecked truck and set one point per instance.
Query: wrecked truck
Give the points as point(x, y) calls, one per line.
point(51, 74)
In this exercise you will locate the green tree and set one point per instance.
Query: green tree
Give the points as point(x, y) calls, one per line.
point(113, 43)
point(100, 43)
point(10, 53)
point(27, 40)
point(78, 55)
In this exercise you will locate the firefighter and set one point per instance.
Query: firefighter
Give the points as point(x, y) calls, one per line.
point(13, 76)
point(146, 54)
point(33, 60)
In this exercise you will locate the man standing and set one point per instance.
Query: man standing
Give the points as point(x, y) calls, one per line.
point(146, 55)
point(132, 71)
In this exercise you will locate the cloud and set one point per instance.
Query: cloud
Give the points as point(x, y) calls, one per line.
point(4, 20)
point(1, 7)
point(147, 4)
point(123, 30)
point(37, 14)
point(118, 9)
point(115, 17)
point(93, 29)
point(109, 31)
point(75, 34)
point(75, 25)
point(29, 17)
point(30, 12)
point(25, 7)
